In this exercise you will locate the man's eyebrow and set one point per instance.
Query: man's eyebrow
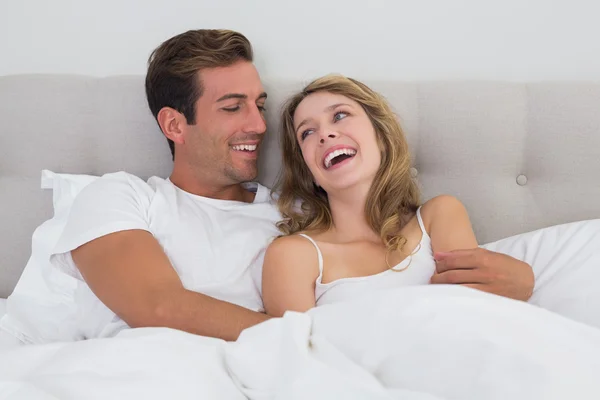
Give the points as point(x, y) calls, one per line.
point(242, 96)
point(232, 96)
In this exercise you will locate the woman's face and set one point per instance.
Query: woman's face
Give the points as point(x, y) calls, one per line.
point(338, 141)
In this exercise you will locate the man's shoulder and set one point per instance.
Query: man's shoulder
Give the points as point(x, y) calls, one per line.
point(115, 182)
point(119, 186)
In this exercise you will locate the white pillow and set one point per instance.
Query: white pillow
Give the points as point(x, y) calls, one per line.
point(65, 187)
point(566, 264)
point(40, 309)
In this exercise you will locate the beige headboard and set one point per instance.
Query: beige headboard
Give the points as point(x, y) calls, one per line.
point(521, 156)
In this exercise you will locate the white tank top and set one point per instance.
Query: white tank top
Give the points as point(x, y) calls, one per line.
point(420, 270)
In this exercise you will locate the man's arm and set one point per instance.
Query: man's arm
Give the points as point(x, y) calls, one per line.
point(460, 261)
point(130, 273)
point(486, 270)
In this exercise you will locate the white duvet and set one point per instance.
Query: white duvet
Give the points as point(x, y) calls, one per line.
point(428, 342)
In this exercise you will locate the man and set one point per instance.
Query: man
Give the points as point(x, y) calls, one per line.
point(186, 252)
point(160, 253)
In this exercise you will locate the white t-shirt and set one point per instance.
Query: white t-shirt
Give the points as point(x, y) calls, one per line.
point(216, 246)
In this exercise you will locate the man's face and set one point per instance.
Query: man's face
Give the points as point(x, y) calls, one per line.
point(223, 144)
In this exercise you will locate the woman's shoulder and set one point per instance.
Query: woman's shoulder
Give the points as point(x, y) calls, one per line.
point(440, 207)
point(296, 244)
point(292, 254)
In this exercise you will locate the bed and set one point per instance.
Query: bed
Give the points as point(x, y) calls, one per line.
point(523, 158)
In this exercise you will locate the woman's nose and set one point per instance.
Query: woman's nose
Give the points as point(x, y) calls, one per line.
point(330, 135)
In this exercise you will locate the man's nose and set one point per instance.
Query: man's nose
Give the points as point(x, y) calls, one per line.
point(256, 122)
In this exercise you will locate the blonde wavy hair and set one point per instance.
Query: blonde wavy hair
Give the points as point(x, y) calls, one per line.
point(393, 194)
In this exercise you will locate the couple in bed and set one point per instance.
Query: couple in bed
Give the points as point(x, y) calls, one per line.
point(210, 252)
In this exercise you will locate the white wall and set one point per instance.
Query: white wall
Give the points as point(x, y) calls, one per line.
point(416, 39)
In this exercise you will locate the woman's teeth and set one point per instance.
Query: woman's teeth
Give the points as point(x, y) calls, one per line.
point(336, 153)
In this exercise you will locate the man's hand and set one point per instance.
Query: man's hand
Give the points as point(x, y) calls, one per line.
point(485, 270)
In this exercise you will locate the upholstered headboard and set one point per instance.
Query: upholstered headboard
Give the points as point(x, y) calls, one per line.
point(521, 156)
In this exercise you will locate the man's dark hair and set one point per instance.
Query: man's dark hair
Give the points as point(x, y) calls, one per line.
point(172, 78)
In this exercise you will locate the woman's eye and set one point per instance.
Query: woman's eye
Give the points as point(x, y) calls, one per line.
point(339, 116)
point(306, 133)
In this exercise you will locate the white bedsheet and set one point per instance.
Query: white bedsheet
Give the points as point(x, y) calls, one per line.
point(429, 342)
point(6, 340)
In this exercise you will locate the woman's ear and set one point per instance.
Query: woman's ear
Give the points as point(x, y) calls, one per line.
point(172, 124)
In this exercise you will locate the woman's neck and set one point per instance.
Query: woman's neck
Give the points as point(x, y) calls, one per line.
point(348, 213)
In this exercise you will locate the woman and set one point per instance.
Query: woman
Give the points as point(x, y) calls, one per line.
point(361, 226)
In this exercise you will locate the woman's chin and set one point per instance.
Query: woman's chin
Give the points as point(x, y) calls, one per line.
point(347, 184)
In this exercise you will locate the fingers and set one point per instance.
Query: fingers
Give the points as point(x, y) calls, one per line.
point(442, 255)
point(460, 276)
point(460, 259)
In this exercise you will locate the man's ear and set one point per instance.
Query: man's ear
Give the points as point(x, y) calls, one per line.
point(172, 123)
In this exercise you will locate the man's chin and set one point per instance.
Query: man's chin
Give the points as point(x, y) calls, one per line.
point(246, 174)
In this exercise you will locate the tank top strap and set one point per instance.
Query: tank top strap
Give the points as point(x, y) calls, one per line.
point(319, 254)
point(421, 224)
